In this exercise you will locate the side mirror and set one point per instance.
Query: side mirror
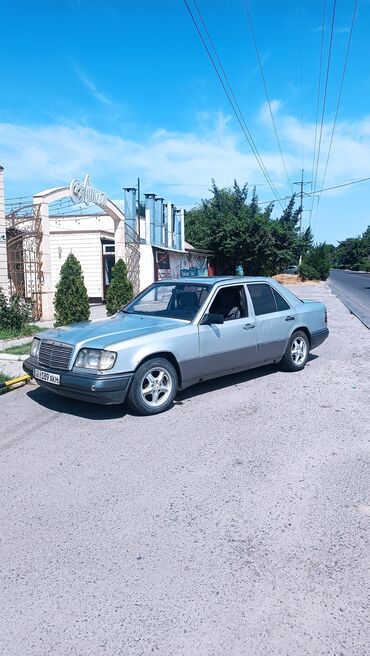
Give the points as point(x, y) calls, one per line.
point(212, 317)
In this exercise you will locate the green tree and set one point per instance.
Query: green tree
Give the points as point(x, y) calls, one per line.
point(349, 253)
point(71, 301)
point(316, 263)
point(120, 290)
point(241, 234)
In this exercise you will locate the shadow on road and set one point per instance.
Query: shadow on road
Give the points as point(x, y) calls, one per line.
point(230, 380)
point(57, 403)
point(66, 406)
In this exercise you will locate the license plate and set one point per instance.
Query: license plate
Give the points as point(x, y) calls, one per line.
point(46, 376)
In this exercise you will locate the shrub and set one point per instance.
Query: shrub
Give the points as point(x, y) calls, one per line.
point(316, 263)
point(14, 312)
point(71, 301)
point(365, 264)
point(120, 290)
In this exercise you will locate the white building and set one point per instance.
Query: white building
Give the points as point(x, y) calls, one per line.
point(80, 219)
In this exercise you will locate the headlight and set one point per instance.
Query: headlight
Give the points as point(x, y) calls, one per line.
point(35, 347)
point(95, 359)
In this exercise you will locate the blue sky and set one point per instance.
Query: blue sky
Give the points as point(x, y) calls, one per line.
point(122, 89)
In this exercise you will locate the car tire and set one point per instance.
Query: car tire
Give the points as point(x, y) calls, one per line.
point(154, 387)
point(296, 353)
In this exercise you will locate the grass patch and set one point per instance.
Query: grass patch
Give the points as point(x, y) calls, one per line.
point(3, 379)
point(27, 331)
point(22, 349)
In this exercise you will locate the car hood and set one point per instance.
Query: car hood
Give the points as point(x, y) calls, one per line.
point(106, 332)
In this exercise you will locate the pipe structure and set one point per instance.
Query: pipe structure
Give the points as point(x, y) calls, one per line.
point(150, 207)
point(158, 222)
point(130, 207)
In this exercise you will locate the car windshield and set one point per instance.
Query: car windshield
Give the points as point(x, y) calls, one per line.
point(175, 300)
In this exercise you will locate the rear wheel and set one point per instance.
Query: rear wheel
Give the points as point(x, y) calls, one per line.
point(296, 354)
point(154, 387)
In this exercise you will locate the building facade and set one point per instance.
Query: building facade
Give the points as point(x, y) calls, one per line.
point(80, 219)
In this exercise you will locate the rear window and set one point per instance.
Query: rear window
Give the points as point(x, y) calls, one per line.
point(262, 298)
point(281, 303)
point(266, 299)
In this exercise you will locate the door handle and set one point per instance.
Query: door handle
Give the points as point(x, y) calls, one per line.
point(290, 318)
point(248, 326)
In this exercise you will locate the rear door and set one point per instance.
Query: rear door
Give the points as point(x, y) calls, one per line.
point(231, 345)
point(274, 319)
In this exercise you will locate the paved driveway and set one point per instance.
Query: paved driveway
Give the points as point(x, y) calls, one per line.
point(235, 524)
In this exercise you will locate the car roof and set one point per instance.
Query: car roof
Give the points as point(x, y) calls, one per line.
point(214, 280)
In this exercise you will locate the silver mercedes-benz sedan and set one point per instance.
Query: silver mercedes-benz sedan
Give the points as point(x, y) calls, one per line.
point(174, 334)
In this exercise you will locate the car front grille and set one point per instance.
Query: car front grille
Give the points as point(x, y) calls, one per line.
point(55, 354)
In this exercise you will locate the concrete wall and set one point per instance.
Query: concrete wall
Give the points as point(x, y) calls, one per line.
point(146, 266)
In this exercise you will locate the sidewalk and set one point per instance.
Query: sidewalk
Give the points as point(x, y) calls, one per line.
point(11, 365)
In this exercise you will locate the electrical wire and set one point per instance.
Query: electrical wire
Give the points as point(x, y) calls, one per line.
point(339, 97)
point(325, 92)
point(266, 92)
point(318, 102)
point(319, 191)
point(231, 96)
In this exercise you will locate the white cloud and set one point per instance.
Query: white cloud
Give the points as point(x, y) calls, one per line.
point(265, 115)
point(91, 86)
point(38, 157)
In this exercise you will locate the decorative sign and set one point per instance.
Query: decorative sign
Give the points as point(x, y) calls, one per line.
point(2, 237)
point(84, 192)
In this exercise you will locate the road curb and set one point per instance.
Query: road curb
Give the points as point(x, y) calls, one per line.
point(11, 357)
point(354, 308)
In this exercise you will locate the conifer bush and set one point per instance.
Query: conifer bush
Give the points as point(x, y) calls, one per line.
point(120, 290)
point(316, 263)
point(71, 301)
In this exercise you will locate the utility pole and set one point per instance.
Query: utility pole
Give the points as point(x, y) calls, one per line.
point(302, 184)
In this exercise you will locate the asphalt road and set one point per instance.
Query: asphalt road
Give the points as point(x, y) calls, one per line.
point(353, 289)
point(235, 524)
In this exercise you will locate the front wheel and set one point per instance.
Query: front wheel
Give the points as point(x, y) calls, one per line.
point(154, 387)
point(296, 354)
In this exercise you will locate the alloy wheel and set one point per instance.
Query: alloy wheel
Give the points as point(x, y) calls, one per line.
point(298, 351)
point(156, 387)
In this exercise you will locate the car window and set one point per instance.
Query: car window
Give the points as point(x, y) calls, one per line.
point(174, 300)
point(281, 303)
point(262, 298)
point(230, 302)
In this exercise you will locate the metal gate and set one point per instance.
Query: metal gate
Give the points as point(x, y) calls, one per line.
point(23, 242)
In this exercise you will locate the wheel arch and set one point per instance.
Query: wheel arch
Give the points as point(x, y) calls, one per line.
point(167, 355)
point(305, 330)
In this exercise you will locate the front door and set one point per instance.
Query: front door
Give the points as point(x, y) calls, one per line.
point(231, 345)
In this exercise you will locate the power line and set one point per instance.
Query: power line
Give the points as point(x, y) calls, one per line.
point(246, 130)
point(325, 91)
point(266, 92)
point(339, 97)
point(235, 107)
point(345, 184)
point(318, 96)
point(319, 191)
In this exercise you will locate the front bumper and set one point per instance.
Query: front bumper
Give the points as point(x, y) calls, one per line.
point(318, 337)
point(106, 389)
